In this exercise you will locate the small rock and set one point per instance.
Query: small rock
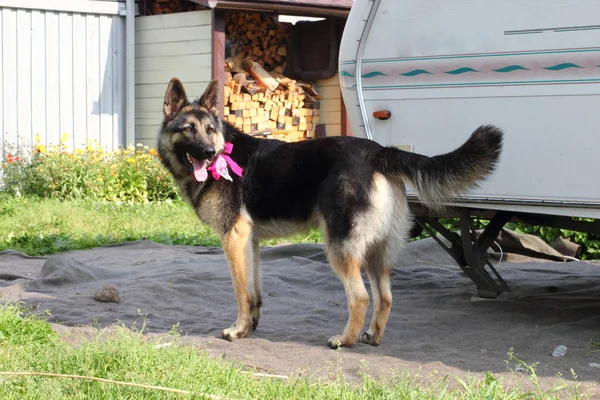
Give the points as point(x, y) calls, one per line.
point(594, 365)
point(520, 369)
point(559, 351)
point(108, 293)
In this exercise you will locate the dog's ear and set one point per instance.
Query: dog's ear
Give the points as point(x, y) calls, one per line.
point(210, 98)
point(175, 98)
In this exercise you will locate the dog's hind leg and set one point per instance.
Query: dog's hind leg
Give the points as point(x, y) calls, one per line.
point(378, 270)
point(348, 270)
point(238, 246)
point(257, 303)
point(381, 255)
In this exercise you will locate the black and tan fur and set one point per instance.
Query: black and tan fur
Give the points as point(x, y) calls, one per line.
point(352, 188)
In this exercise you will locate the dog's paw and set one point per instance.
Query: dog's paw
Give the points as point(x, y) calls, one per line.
point(369, 338)
point(338, 341)
point(234, 333)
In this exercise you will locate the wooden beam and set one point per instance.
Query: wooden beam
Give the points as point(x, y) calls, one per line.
point(218, 52)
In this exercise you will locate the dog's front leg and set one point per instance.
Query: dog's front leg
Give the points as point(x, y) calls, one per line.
point(238, 247)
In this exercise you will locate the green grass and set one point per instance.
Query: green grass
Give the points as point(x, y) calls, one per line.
point(16, 329)
point(127, 355)
point(27, 343)
point(40, 227)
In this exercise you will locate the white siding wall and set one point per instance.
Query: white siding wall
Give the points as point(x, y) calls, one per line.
point(61, 72)
point(331, 105)
point(167, 46)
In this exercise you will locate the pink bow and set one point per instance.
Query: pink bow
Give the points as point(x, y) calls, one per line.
point(219, 167)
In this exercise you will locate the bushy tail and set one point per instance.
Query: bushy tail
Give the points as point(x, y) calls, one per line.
point(444, 176)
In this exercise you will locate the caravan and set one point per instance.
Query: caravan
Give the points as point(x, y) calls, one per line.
point(421, 75)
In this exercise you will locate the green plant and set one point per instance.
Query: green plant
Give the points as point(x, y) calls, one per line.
point(128, 174)
point(17, 327)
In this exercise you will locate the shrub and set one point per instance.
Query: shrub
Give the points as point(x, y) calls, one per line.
point(127, 174)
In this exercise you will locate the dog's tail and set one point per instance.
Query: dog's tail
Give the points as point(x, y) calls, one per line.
point(444, 176)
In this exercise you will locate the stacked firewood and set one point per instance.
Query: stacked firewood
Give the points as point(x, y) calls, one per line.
point(261, 104)
point(259, 37)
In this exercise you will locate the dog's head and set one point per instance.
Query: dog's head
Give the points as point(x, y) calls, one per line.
point(191, 134)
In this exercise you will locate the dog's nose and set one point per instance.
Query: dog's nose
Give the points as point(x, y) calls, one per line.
point(209, 152)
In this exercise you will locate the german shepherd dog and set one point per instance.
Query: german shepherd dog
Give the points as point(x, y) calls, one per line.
point(248, 189)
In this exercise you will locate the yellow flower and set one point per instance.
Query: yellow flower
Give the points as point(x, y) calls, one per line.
point(37, 138)
point(41, 148)
point(79, 152)
point(100, 179)
point(130, 160)
point(152, 151)
point(63, 138)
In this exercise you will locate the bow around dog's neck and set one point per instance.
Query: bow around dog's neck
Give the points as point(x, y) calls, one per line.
point(219, 166)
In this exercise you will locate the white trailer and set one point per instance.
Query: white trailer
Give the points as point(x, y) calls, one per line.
point(422, 75)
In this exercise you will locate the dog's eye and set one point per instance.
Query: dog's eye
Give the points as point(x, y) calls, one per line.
point(210, 130)
point(187, 128)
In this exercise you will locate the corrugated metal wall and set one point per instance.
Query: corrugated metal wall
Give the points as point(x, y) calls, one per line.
point(62, 72)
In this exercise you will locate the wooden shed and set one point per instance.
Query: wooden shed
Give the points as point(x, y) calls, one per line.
point(192, 40)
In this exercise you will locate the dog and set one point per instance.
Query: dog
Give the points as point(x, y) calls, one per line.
point(248, 189)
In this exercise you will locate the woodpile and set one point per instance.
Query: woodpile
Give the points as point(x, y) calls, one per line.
point(265, 104)
point(258, 99)
point(259, 37)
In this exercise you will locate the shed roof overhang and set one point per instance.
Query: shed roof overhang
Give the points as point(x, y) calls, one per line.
point(310, 8)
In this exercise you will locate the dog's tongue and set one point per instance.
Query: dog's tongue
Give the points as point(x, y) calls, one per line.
point(200, 172)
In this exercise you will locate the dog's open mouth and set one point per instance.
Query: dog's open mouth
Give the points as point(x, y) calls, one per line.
point(198, 167)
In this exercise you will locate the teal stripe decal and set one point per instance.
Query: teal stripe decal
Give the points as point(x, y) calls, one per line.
point(511, 68)
point(562, 66)
point(373, 74)
point(433, 85)
point(460, 71)
point(416, 72)
point(464, 70)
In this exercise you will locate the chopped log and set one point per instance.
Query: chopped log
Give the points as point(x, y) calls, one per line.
point(259, 73)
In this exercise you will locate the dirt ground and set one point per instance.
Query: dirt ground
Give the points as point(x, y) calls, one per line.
point(437, 326)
